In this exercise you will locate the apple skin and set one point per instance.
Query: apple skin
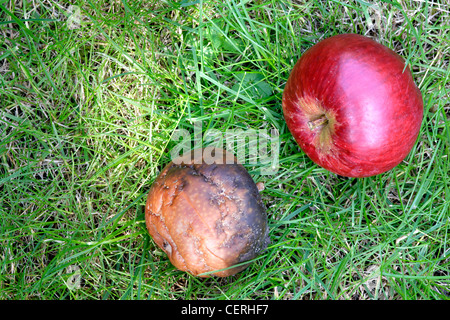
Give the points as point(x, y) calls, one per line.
point(207, 215)
point(352, 106)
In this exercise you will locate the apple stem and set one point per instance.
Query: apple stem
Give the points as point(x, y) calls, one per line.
point(318, 123)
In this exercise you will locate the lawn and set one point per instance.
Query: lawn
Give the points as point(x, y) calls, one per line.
point(92, 94)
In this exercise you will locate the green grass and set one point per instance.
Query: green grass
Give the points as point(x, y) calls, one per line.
point(90, 96)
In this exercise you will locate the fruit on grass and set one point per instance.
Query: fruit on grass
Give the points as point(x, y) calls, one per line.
point(206, 214)
point(352, 106)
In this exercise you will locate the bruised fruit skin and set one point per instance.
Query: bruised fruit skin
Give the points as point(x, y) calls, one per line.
point(352, 106)
point(207, 217)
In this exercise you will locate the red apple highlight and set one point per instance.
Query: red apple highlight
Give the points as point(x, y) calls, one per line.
point(352, 106)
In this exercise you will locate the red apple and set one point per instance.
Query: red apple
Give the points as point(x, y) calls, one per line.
point(352, 106)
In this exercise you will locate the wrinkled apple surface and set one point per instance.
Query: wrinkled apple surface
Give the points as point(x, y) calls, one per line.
point(207, 216)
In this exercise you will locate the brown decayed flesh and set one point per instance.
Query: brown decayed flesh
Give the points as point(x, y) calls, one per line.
point(207, 217)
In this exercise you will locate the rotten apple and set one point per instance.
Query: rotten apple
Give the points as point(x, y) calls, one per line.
point(352, 106)
point(206, 214)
